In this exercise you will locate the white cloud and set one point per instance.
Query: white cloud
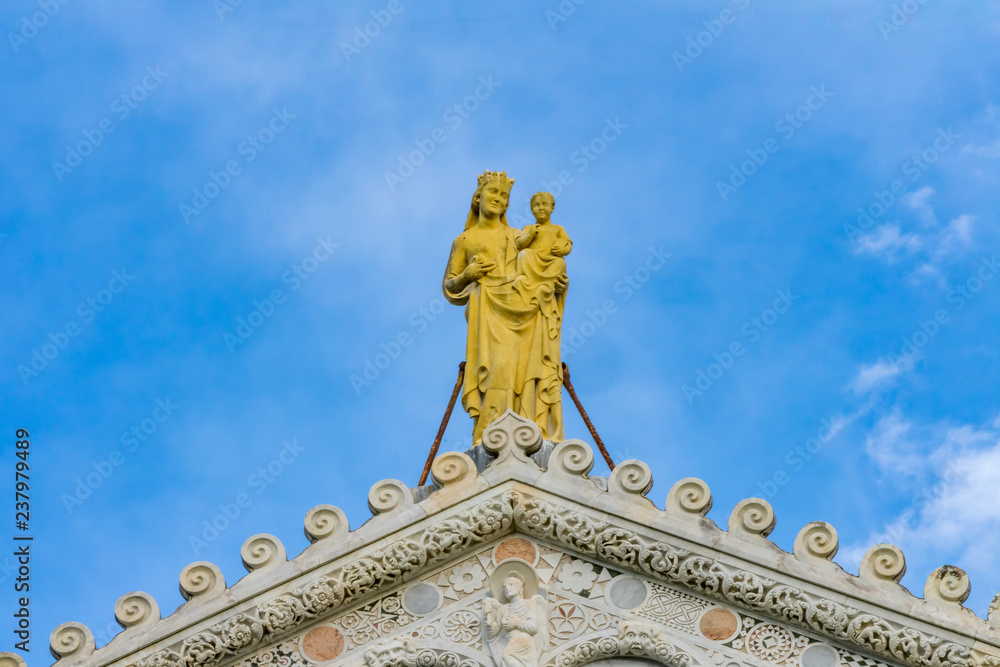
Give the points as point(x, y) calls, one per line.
point(919, 201)
point(930, 242)
point(987, 151)
point(893, 448)
point(887, 241)
point(950, 474)
point(879, 374)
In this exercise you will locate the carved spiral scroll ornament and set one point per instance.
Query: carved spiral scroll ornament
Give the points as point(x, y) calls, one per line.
point(752, 516)
point(689, 496)
point(512, 436)
point(11, 660)
point(325, 521)
point(452, 468)
point(948, 585)
point(883, 562)
point(817, 541)
point(631, 478)
point(202, 579)
point(572, 457)
point(389, 495)
point(138, 608)
point(71, 640)
point(262, 551)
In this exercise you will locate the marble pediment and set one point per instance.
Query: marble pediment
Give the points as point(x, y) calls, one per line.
point(608, 578)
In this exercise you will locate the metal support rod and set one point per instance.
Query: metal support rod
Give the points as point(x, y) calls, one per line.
point(444, 424)
point(586, 419)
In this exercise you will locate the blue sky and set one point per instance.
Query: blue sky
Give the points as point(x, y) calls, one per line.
point(171, 170)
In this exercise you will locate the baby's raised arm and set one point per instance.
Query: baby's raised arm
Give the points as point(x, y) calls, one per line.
point(525, 237)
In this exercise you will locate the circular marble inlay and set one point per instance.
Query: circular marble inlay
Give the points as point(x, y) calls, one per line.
point(719, 624)
point(422, 599)
point(322, 644)
point(771, 643)
point(627, 592)
point(820, 655)
point(515, 548)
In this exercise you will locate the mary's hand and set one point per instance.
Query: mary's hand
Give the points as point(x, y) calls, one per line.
point(562, 284)
point(477, 269)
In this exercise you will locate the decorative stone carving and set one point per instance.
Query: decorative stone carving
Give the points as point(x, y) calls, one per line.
point(690, 497)
point(203, 649)
point(630, 479)
point(752, 516)
point(571, 458)
point(516, 619)
point(637, 639)
point(282, 613)
point(452, 468)
point(321, 595)
point(397, 652)
point(11, 660)
point(261, 551)
point(71, 641)
point(389, 495)
point(737, 587)
point(165, 658)
point(203, 580)
point(239, 632)
point(816, 543)
point(136, 609)
point(883, 562)
point(769, 642)
point(325, 521)
point(993, 615)
point(947, 586)
point(451, 538)
point(512, 438)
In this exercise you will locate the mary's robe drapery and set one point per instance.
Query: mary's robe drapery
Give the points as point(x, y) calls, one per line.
point(512, 359)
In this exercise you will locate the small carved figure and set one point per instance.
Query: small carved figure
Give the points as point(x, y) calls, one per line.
point(637, 639)
point(397, 652)
point(516, 630)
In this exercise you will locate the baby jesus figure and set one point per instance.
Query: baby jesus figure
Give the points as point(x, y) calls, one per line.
point(540, 264)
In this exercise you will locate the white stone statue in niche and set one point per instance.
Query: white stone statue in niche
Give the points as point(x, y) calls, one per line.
point(517, 619)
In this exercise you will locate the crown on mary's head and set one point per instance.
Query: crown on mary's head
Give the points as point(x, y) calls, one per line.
point(498, 177)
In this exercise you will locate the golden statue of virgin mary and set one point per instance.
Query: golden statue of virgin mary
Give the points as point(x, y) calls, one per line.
point(514, 315)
